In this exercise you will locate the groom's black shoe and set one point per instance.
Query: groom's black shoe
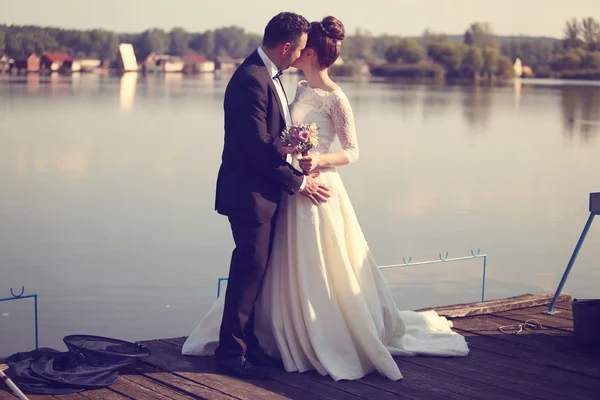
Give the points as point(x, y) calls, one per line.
point(261, 359)
point(241, 367)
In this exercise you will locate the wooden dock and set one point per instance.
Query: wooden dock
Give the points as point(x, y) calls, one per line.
point(540, 362)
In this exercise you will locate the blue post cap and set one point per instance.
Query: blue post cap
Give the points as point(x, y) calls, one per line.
point(595, 203)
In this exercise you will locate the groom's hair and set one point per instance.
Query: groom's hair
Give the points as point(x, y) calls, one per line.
point(285, 27)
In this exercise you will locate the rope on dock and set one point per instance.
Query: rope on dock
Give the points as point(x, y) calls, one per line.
point(530, 324)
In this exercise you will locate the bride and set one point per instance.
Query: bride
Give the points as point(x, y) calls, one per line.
point(324, 304)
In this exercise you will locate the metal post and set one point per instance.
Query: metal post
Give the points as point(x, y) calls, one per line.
point(219, 286)
point(483, 283)
point(551, 310)
point(35, 302)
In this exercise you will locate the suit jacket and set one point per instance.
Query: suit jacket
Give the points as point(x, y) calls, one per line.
point(253, 169)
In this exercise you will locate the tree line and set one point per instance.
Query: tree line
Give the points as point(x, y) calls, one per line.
point(21, 41)
point(479, 52)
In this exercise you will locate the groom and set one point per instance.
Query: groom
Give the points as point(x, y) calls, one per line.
point(253, 174)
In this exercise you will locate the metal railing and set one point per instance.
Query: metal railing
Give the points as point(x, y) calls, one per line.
point(442, 259)
point(20, 296)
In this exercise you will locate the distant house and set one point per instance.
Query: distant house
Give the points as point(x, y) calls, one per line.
point(86, 65)
point(163, 63)
point(29, 64)
point(225, 63)
point(527, 71)
point(6, 64)
point(149, 64)
point(56, 62)
point(195, 63)
point(173, 64)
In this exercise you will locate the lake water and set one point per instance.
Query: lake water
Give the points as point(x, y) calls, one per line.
point(107, 193)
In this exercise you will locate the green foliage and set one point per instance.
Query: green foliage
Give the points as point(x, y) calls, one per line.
point(408, 51)
point(532, 52)
point(472, 62)
point(408, 71)
point(480, 35)
point(2, 41)
point(490, 61)
point(447, 54)
point(591, 60)
point(505, 68)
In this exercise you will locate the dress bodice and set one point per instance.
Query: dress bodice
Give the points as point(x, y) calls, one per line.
point(331, 112)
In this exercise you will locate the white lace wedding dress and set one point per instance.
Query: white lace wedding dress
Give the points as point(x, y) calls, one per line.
point(324, 304)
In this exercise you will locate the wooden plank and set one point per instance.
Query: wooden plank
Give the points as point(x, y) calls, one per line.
point(487, 354)
point(73, 396)
point(144, 374)
point(546, 338)
point(564, 305)
point(453, 384)
point(411, 387)
point(201, 370)
point(315, 383)
point(156, 387)
point(134, 390)
point(494, 306)
point(535, 348)
point(513, 356)
point(521, 381)
point(557, 321)
point(103, 394)
point(319, 386)
point(361, 388)
point(356, 388)
point(5, 395)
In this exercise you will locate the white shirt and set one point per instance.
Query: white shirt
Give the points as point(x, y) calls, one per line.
point(273, 70)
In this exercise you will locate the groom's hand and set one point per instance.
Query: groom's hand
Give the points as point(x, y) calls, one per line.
point(315, 191)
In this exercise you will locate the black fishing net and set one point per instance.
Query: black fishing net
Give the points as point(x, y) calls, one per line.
point(91, 362)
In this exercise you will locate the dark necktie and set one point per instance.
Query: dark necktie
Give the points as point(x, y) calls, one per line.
point(277, 75)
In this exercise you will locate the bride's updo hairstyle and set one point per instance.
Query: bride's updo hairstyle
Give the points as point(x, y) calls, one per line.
point(325, 38)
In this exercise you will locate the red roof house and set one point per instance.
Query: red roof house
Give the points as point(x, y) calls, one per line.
point(56, 61)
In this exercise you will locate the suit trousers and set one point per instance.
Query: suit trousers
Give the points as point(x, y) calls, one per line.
point(249, 260)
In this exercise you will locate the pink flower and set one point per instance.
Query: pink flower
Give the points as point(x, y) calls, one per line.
point(294, 133)
point(304, 135)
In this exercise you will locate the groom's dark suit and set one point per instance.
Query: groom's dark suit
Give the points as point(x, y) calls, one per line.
point(251, 181)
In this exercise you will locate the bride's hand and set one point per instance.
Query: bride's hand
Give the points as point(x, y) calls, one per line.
point(310, 162)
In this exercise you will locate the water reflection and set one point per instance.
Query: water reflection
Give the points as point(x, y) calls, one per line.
point(477, 104)
point(517, 86)
point(127, 93)
point(581, 111)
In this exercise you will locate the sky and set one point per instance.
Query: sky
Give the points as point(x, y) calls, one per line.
point(397, 17)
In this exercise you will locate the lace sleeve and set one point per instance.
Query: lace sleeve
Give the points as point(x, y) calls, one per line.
point(343, 125)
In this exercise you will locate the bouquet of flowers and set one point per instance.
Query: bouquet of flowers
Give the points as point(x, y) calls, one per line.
point(300, 138)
